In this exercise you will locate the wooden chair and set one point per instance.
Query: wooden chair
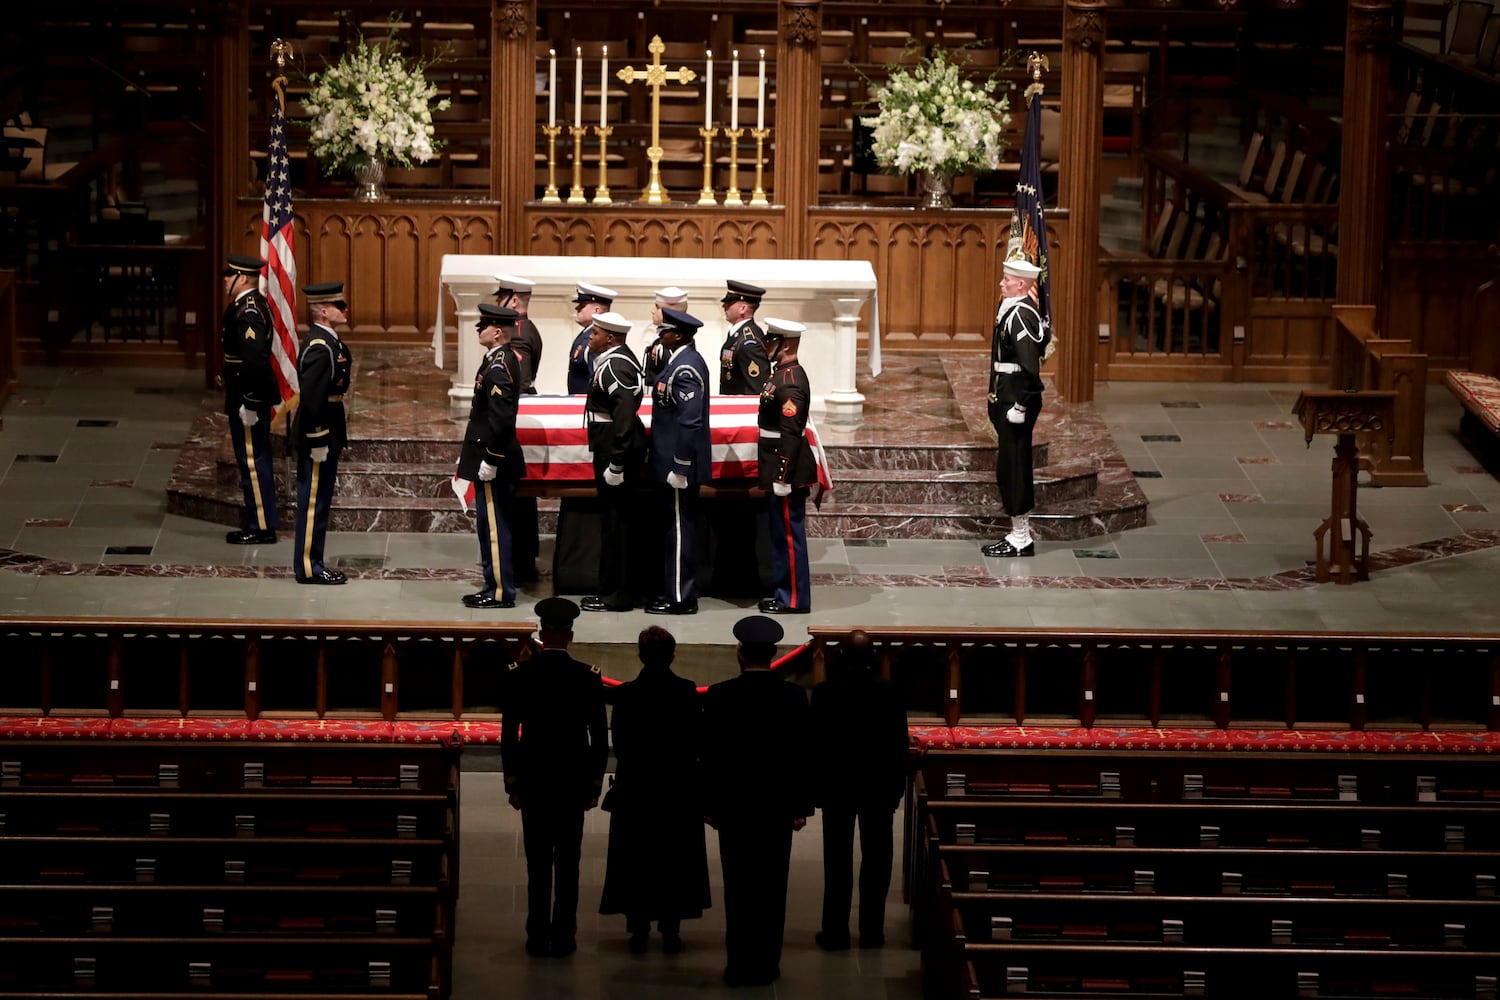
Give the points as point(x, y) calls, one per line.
point(1468, 28)
point(1424, 24)
point(1489, 45)
point(1248, 164)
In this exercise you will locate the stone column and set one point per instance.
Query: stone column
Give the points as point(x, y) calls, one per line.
point(228, 146)
point(513, 127)
point(1073, 270)
point(799, 95)
point(1364, 170)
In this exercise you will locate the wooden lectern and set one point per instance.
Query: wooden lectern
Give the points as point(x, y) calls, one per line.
point(1347, 414)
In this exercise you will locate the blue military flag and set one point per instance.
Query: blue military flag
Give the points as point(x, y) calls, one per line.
point(1028, 226)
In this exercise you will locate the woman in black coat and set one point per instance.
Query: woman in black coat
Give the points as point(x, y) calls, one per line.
point(658, 867)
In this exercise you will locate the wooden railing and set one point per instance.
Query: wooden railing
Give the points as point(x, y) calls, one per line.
point(1308, 680)
point(1362, 359)
point(10, 358)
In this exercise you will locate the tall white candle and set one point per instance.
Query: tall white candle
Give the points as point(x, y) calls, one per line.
point(578, 88)
point(708, 93)
point(603, 86)
point(760, 95)
point(552, 88)
point(734, 90)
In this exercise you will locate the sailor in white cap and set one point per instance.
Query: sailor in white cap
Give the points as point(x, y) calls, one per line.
point(618, 440)
point(1016, 351)
point(654, 359)
point(588, 301)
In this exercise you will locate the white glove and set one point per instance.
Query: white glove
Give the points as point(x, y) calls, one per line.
point(487, 472)
point(249, 417)
point(614, 476)
point(782, 489)
point(319, 454)
point(677, 480)
point(1016, 414)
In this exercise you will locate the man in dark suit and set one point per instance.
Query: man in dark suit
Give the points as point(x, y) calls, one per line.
point(787, 469)
point(319, 430)
point(617, 439)
point(751, 722)
point(859, 763)
point(554, 744)
point(491, 457)
point(589, 300)
point(743, 364)
point(681, 457)
point(250, 390)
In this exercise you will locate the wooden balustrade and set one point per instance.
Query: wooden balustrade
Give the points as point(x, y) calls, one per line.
point(10, 356)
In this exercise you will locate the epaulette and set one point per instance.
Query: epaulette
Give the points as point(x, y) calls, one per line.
point(594, 669)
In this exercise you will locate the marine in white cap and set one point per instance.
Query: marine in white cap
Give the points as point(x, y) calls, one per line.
point(787, 468)
point(1017, 349)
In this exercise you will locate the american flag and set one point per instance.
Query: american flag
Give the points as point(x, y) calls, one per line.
point(1028, 226)
point(279, 281)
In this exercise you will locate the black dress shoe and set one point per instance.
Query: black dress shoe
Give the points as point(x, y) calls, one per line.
point(638, 943)
point(328, 577)
point(598, 604)
point(832, 942)
point(251, 537)
point(666, 607)
point(771, 606)
point(536, 948)
point(484, 603)
point(1004, 550)
point(871, 941)
point(671, 944)
point(563, 947)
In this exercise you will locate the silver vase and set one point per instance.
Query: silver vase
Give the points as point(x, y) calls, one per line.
point(936, 189)
point(369, 180)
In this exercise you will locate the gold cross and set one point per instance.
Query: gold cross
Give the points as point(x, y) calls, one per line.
point(654, 76)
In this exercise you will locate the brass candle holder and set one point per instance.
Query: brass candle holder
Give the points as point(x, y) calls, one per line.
point(758, 196)
point(550, 195)
point(732, 196)
point(601, 194)
point(706, 196)
point(575, 193)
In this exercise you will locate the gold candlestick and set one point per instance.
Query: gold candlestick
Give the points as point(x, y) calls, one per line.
point(575, 193)
point(706, 196)
point(758, 196)
point(601, 195)
point(732, 196)
point(550, 195)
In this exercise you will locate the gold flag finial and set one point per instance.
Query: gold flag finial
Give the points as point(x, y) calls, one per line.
point(281, 51)
point(1037, 64)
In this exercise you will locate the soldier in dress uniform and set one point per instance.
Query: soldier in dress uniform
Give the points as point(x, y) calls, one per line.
point(1016, 350)
point(526, 345)
point(491, 457)
point(319, 431)
point(788, 468)
point(748, 722)
point(250, 390)
point(681, 456)
point(553, 745)
point(589, 300)
point(617, 439)
point(655, 357)
point(743, 365)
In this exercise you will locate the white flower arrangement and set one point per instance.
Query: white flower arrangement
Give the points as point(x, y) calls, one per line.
point(373, 104)
point(933, 120)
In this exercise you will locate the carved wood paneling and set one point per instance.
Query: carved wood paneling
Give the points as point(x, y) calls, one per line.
point(652, 233)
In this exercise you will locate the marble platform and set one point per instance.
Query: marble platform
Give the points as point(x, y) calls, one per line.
point(920, 465)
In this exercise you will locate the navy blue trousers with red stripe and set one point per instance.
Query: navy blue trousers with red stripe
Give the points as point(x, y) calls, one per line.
point(789, 549)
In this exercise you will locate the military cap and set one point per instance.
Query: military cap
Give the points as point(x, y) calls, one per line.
point(783, 329)
point(758, 628)
point(495, 316)
point(742, 291)
point(680, 322)
point(587, 292)
point(512, 285)
point(671, 296)
point(556, 612)
point(1023, 269)
point(612, 322)
point(325, 292)
point(238, 263)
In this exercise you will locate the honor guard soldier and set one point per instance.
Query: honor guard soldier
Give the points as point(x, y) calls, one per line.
point(617, 439)
point(655, 357)
point(788, 469)
point(588, 301)
point(319, 431)
point(553, 745)
point(250, 390)
point(491, 457)
point(1017, 349)
point(681, 456)
point(748, 721)
point(526, 343)
point(743, 365)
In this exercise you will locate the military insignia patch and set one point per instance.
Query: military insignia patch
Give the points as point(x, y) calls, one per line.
point(789, 409)
point(494, 390)
point(249, 333)
point(753, 370)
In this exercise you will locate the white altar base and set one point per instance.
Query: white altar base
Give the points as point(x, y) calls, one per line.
point(828, 296)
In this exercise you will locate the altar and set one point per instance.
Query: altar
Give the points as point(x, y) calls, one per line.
point(827, 295)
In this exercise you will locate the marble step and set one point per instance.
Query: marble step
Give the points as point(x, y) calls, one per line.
point(976, 456)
